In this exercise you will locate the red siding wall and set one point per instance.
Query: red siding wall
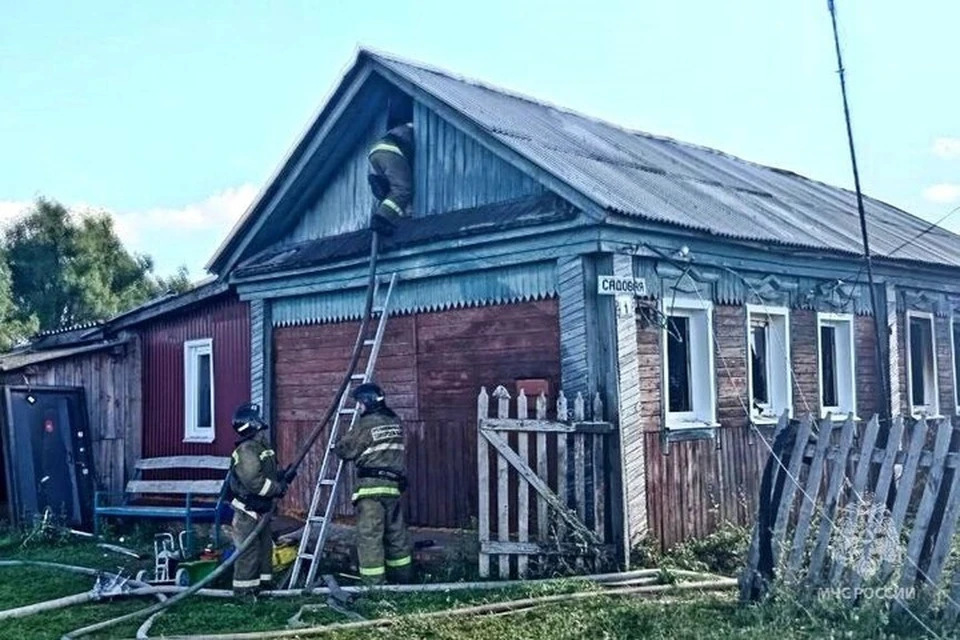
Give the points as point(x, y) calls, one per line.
point(432, 366)
point(227, 322)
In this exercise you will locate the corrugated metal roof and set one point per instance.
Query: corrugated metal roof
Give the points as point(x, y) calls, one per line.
point(668, 181)
point(20, 359)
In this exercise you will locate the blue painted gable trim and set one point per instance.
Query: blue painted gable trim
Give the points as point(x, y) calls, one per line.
point(515, 283)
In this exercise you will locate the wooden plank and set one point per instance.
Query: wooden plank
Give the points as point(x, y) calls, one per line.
point(204, 487)
point(904, 490)
point(579, 469)
point(838, 474)
point(790, 484)
point(523, 501)
point(948, 526)
point(562, 451)
point(856, 492)
point(542, 471)
point(184, 462)
point(547, 426)
point(483, 482)
point(539, 486)
point(599, 487)
point(878, 511)
point(925, 511)
point(503, 484)
point(532, 548)
point(812, 489)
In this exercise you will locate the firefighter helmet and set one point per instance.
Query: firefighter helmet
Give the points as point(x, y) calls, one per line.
point(370, 394)
point(247, 419)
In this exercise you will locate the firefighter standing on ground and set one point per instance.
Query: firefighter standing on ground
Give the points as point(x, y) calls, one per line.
point(255, 482)
point(391, 177)
point(375, 444)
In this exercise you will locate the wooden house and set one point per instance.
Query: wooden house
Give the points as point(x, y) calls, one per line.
point(751, 297)
point(697, 295)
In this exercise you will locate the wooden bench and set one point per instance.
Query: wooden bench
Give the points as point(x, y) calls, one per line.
point(105, 503)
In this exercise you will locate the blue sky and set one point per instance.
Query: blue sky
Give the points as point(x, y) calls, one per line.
point(172, 114)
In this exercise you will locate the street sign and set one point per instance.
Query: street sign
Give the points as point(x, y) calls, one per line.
point(613, 285)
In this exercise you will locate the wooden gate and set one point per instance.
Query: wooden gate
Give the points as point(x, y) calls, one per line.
point(839, 514)
point(544, 489)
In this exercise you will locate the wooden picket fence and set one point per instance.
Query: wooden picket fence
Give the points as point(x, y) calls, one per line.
point(835, 510)
point(546, 483)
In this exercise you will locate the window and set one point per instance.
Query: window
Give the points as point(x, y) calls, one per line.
point(837, 381)
point(955, 337)
point(198, 390)
point(921, 364)
point(689, 385)
point(769, 363)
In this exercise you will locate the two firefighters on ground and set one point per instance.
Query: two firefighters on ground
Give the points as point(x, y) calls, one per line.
point(376, 446)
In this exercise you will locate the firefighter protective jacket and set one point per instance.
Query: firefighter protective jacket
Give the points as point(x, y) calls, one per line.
point(375, 443)
point(254, 480)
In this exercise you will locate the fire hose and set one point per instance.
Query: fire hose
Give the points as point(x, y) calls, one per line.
point(304, 450)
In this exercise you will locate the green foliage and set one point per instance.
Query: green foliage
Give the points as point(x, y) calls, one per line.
point(60, 270)
point(723, 552)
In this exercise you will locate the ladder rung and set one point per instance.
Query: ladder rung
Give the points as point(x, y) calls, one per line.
point(307, 556)
point(377, 309)
point(358, 376)
point(348, 411)
point(315, 519)
point(328, 482)
point(369, 342)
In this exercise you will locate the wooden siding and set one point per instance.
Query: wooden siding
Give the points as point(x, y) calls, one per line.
point(451, 171)
point(865, 355)
point(699, 484)
point(227, 322)
point(805, 361)
point(454, 171)
point(730, 343)
point(112, 394)
point(431, 366)
point(630, 428)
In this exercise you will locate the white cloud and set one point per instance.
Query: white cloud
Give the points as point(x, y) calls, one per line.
point(944, 193)
point(947, 148)
point(218, 213)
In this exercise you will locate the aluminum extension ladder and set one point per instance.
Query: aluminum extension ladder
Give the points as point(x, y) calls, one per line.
point(325, 492)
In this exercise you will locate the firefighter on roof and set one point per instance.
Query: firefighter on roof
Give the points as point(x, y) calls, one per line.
point(375, 444)
point(255, 482)
point(391, 177)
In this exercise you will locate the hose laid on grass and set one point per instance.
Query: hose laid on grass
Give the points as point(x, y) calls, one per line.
point(484, 609)
point(222, 568)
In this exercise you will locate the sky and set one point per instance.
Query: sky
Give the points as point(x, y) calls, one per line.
point(172, 115)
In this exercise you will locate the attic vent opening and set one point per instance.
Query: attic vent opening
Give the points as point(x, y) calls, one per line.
point(399, 109)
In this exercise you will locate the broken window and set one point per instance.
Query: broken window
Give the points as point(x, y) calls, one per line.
point(922, 364)
point(688, 370)
point(769, 344)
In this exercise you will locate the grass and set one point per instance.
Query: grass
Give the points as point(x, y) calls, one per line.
point(705, 616)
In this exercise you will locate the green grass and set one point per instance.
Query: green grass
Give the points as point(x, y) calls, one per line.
point(706, 617)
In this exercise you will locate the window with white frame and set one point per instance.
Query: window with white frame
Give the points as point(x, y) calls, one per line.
point(835, 345)
point(689, 392)
point(922, 364)
point(955, 337)
point(768, 337)
point(198, 390)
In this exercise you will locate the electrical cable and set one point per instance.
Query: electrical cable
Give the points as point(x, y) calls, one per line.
point(304, 450)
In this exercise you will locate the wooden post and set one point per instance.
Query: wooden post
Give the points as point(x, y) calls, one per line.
point(790, 484)
point(503, 486)
point(542, 471)
point(483, 479)
point(523, 489)
point(947, 527)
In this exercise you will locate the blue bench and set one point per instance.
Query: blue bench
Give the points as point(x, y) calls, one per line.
point(210, 508)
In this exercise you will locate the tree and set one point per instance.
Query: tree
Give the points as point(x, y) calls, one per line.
point(66, 271)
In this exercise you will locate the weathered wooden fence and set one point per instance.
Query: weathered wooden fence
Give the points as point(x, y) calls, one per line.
point(544, 489)
point(839, 513)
